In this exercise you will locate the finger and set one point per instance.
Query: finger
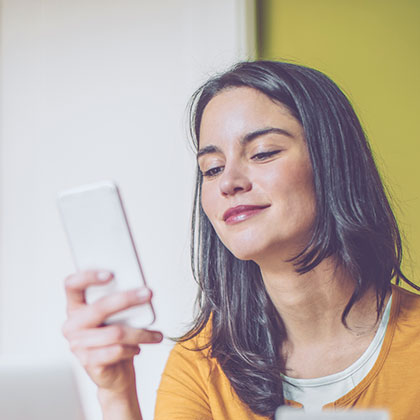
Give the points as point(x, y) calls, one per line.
point(95, 314)
point(76, 284)
point(104, 356)
point(113, 334)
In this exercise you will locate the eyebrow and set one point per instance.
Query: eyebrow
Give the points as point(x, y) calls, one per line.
point(246, 139)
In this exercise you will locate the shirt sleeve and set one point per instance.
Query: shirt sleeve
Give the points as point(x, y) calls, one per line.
point(182, 394)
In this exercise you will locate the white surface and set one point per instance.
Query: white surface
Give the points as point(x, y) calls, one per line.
point(91, 90)
point(286, 413)
point(38, 389)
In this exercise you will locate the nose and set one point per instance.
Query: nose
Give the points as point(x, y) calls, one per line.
point(234, 180)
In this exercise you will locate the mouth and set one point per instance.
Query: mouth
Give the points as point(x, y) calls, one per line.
point(240, 213)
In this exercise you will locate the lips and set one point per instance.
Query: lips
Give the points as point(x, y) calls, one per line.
point(240, 213)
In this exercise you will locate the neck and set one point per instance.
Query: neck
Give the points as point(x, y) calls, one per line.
point(311, 304)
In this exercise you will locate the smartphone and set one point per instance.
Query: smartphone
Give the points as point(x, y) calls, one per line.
point(100, 239)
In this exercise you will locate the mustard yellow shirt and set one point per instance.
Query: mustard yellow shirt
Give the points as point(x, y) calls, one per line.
point(194, 387)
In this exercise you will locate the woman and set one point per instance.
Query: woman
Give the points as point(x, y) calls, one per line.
point(294, 249)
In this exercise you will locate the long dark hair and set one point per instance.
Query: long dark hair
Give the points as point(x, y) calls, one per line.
point(354, 224)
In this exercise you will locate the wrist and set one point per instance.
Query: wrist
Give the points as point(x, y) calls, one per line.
point(123, 405)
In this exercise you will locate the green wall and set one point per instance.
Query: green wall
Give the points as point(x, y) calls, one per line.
point(371, 48)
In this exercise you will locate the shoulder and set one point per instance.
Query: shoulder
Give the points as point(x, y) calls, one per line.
point(187, 380)
point(194, 386)
point(197, 341)
point(404, 325)
point(192, 356)
point(392, 382)
point(408, 303)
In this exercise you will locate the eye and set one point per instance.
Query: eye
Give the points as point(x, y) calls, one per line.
point(212, 171)
point(264, 155)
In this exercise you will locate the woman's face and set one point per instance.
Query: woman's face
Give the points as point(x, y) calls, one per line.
point(257, 177)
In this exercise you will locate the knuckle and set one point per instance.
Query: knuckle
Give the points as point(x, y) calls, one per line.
point(89, 359)
point(66, 330)
point(84, 360)
point(83, 357)
point(74, 346)
point(69, 281)
point(118, 350)
point(99, 309)
point(117, 332)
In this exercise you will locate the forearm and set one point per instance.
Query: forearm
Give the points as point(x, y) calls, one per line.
point(119, 406)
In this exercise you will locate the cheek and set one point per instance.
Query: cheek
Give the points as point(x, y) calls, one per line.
point(208, 201)
point(293, 187)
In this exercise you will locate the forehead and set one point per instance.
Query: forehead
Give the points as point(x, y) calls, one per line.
point(234, 112)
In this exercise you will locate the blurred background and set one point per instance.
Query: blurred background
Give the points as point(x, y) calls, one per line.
point(371, 49)
point(94, 90)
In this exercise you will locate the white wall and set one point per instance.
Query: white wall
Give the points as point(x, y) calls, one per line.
point(91, 90)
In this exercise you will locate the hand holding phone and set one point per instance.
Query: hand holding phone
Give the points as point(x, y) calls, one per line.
point(100, 239)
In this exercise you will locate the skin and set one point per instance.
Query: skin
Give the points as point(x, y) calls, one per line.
point(271, 169)
point(252, 152)
point(106, 352)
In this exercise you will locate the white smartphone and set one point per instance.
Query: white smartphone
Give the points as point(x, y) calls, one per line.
point(100, 239)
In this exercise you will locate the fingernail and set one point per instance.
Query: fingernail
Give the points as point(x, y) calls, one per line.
point(157, 336)
point(103, 276)
point(143, 293)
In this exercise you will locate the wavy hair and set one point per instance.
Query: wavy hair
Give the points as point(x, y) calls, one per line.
point(354, 223)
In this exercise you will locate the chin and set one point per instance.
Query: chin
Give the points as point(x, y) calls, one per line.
point(249, 249)
point(243, 256)
point(244, 251)
point(246, 245)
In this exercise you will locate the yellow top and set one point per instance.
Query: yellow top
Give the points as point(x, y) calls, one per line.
point(194, 387)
